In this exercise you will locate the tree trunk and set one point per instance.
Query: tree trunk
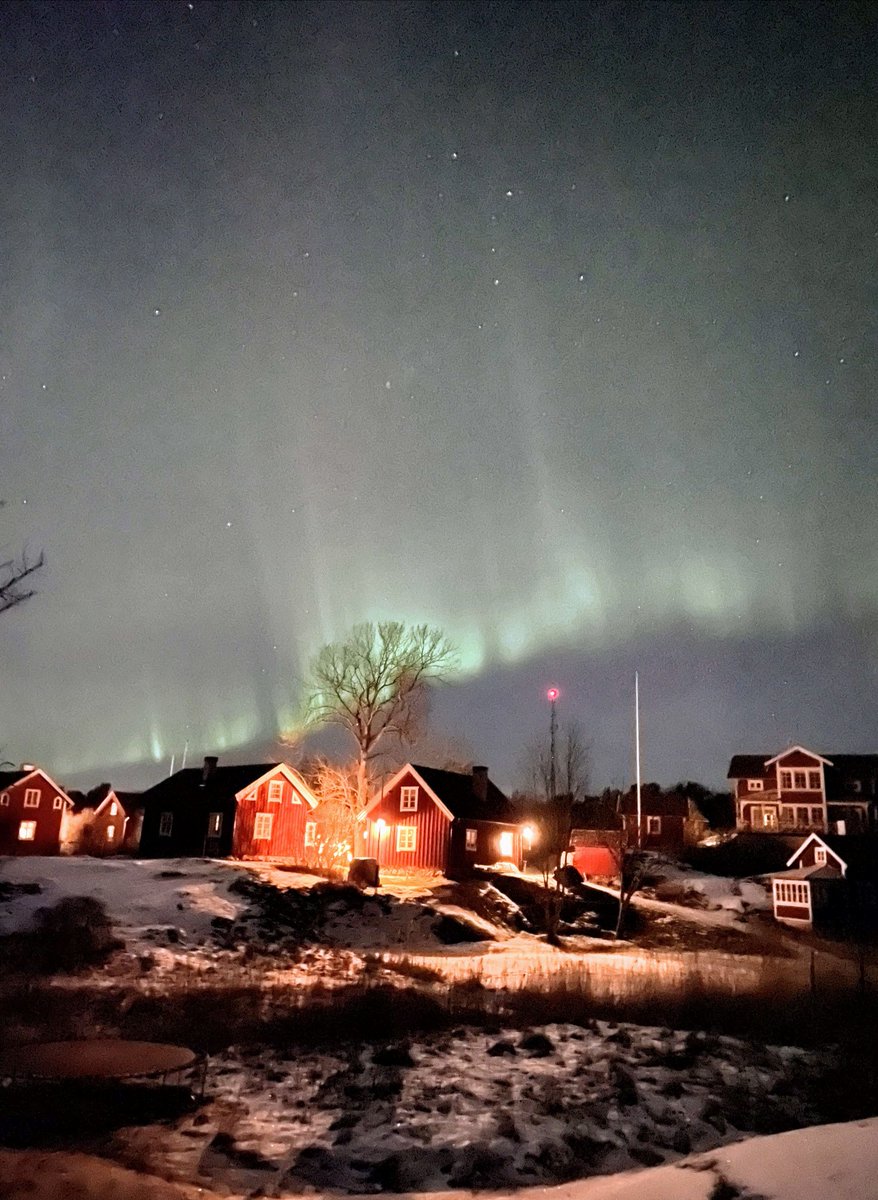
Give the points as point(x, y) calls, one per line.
point(362, 784)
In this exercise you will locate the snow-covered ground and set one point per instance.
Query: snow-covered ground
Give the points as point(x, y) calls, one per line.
point(831, 1162)
point(471, 1109)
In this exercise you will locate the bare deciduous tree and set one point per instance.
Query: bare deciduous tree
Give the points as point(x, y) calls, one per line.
point(13, 576)
point(335, 786)
point(553, 813)
point(374, 684)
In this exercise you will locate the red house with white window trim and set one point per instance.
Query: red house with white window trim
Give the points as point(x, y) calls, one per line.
point(831, 884)
point(103, 821)
point(33, 810)
point(800, 790)
point(254, 811)
point(425, 819)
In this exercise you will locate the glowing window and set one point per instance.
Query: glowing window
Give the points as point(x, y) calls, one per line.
point(472, 839)
point(507, 843)
point(275, 791)
point(406, 837)
point(408, 799)
point(114, 808)
point(111, 832)
point(653, 825)
point(166, 824)
point(215, 824)
point(32, 798)
point(310, 833)
point(27, 831)
point(262, 827)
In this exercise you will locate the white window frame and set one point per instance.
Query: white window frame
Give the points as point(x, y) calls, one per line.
point(471, 840)
point(262, 826)
point(812, 786)
point(275, 791)
point(816, 815)
point(653, 825)
point(408, 799)
point(406, 838)
point(793, 891)
point(166, 824)
point(32, 798)
point(310, 833)
point(214, 824)
point(57, 803)
point(820, 856)
point(4, 800)
point(754, 785)
point(114, 808)
point(27, 831)
point(786, 780)
point(111, 832)
point(801, 773)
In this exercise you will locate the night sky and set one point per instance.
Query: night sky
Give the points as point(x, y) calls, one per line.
point(553, 325)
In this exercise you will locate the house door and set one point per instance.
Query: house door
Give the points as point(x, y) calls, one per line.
point(769, 818)
point(212, 846)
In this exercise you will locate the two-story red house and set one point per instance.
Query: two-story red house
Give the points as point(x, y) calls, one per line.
point(425, 819)
point(33, 810)
point(800, 790)
point(254, 811)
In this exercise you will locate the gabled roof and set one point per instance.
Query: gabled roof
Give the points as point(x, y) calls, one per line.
point(453, 793)
point(802, 750)
point(222, 783)
point(99, 796)
point(857, 854)
point(748, 766)
point(665, 804)
point(9, 779)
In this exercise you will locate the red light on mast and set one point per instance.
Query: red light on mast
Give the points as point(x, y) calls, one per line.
point(552, 694)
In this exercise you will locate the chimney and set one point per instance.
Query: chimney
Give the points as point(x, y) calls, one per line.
point(210, 761)
point(480, 783)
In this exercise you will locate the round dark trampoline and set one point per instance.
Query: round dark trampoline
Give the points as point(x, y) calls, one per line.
point(97, 1059)
point(58, 1090)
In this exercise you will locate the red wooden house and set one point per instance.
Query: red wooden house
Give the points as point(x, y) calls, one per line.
point(831, 884)
point(255, 811)
point(103, 821)
point(663, 817)
point(33, 810)
point(799, 790)
point(425, 819)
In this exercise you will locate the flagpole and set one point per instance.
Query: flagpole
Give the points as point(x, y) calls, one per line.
point(637, 753)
